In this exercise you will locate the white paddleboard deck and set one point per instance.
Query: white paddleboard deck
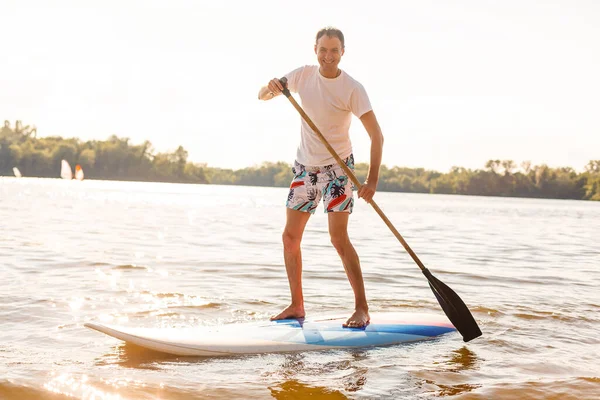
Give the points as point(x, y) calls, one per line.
point(288, 335)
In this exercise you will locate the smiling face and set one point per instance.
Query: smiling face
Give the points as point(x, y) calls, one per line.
point(329, 51)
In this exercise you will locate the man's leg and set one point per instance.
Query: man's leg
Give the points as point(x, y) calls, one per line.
point(338, 230)
point(292, 237)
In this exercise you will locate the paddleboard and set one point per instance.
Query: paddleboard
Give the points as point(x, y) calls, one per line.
point(290, 335)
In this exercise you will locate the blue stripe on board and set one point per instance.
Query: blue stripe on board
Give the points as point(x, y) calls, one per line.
point(421, 330)
point(336, 326)
point(292, 323)
point(361, 338)
point(371, 339)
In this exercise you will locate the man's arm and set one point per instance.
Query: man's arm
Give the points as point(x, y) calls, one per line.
point(372, 127)
point(273, 89)
point(265, 94)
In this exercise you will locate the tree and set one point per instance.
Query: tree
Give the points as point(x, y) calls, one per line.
point(593, 166)
point(508, 166)
point(492, 166)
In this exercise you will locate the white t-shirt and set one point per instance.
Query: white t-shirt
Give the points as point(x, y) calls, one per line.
point(329, 103)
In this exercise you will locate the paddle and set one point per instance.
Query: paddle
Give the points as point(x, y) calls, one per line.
point(453, 306)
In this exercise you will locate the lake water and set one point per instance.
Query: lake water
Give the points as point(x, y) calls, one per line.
point(155, 254)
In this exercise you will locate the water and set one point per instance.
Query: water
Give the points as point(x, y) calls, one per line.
point(149, 254)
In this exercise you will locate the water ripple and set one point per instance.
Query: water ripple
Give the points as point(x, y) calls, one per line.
point(187, 255)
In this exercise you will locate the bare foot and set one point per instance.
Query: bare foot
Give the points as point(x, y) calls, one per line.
point(292, 312)
point(359, 319)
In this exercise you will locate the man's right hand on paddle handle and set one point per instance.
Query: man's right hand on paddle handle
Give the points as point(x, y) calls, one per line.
point(275, 87)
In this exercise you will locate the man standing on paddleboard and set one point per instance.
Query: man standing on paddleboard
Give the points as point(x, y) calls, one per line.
point(330, 97)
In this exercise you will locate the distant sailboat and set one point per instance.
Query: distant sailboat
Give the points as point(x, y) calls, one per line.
point(17, 172)
point(65, 170)
point(78, 172)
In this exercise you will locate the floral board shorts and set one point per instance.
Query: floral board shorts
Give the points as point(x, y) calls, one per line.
point(329, 182)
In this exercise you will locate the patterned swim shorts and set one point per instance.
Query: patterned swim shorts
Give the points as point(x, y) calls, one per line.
point(329, 182)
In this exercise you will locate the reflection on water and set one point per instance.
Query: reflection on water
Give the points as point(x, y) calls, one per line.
point(448, 377)
point(453, 390)
point(345, 374)
point(131, 356)
point(461, 360)
point(295, 390)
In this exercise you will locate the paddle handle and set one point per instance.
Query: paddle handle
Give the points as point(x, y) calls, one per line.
point(349, 172)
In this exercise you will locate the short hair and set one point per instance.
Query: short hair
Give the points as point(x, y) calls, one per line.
point(331, 32)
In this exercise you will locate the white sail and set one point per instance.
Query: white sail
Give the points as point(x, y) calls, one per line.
point(78, 172)
point(17, 172)
point(65, 170)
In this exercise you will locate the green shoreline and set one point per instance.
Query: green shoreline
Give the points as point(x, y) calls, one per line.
point(117, 159)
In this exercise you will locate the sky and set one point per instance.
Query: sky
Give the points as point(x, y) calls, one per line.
point(452, 83)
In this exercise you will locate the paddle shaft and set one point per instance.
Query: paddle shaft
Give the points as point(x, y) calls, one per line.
point(351, 175)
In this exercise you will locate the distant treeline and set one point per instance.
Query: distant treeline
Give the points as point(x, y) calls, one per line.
point(117, 159)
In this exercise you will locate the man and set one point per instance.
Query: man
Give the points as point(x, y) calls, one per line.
point(329, 97)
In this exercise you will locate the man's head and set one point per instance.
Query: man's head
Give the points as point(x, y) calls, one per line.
point(329, 48)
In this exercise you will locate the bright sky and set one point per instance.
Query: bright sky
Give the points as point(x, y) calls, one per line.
point(451, 82)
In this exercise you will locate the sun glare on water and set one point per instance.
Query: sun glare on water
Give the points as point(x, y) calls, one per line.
point(78, 387)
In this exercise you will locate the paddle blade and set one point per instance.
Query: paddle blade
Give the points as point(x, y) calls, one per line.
point(456, 310)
